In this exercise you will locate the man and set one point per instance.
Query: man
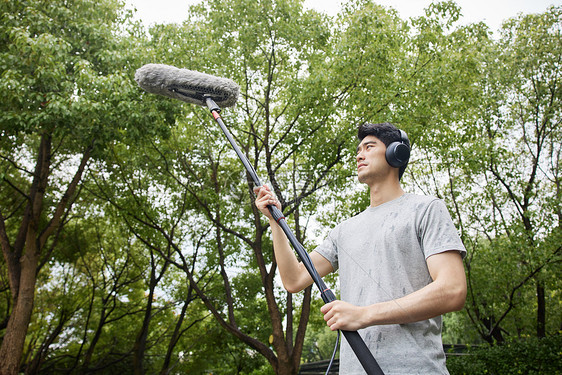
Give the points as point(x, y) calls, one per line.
point(399, 261)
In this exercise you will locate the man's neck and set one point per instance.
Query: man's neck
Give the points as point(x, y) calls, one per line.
point(385, 192)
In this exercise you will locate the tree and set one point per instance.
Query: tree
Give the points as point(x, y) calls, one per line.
point(519, 130)
point(67, 92)
point(291, 123)
point(156, 211)
point(369, 70)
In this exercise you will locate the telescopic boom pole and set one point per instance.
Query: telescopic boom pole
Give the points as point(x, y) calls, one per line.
point(361, 350)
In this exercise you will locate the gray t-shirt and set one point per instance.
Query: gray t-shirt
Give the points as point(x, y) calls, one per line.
point(381, 255)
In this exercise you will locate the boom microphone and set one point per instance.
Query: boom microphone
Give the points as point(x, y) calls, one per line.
point(187, 85)
point(206, 90)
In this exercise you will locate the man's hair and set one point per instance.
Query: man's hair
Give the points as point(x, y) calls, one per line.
point(386, 133)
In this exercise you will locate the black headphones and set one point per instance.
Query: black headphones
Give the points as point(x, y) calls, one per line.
point(398, 152)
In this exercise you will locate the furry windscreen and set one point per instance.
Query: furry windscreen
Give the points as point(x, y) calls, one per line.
point(187, 85)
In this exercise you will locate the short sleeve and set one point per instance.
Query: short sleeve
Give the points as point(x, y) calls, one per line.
point(328, 249)
point(437, 232)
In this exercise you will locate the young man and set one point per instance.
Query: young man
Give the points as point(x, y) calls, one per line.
point(399, 261)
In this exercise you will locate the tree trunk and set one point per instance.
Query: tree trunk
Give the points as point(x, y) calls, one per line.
point(22, 259)
point(165, 370)
point(140, 343)
point(285, 366)
point(14, 339)
point(541, 310)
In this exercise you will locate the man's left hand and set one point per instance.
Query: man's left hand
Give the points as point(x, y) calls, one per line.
point(344, 316)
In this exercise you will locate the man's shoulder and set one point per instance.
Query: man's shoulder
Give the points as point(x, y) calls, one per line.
point(422, 198)
point(422, 202)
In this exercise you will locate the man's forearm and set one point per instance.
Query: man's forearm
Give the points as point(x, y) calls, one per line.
point(294, 275)
point(433, 300)
point(445, 294)
point(423, 304)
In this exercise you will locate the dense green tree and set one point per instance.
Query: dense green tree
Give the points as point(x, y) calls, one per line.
point(519, 148)
point(91, 307)
point(67, 92)
point(483, 118)
point(156, 207)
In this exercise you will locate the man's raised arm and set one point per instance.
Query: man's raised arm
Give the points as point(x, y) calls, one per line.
point(294, 275)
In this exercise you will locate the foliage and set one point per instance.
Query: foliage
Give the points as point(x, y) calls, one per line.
point(515, 236)
point(270, 54)
point(521, 356)
point(320, 341)
point(68, 92)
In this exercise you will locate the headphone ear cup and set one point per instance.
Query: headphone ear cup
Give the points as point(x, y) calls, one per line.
point(397, 154)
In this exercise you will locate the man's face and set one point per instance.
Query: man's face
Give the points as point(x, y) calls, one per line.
point(371, 160)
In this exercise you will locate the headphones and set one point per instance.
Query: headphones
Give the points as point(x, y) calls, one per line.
point(398, 152)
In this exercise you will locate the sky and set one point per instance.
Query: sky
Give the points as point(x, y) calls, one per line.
point(492, 12)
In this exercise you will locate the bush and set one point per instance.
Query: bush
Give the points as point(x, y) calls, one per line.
point(528, 356)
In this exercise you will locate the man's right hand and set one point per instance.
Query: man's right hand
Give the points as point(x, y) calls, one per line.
point(264, 198)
